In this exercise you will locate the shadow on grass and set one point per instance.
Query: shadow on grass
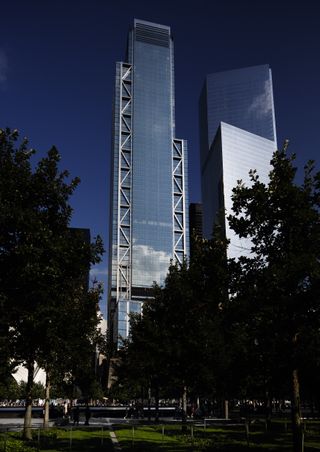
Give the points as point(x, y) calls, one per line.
point(79, 445)
point(62, 440)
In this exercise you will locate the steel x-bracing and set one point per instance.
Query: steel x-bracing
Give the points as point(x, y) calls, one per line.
point(179, 221)
point(124, 185)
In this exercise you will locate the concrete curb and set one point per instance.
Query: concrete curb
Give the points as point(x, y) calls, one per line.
point(114, 439)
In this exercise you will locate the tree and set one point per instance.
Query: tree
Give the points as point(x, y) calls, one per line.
point(281, 279)
point(9, 389)
point(42, 265)
point(141, 366)
point(69, 346)
point(179, 342)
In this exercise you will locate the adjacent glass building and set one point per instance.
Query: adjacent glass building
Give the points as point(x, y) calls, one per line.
point(149, 175)
point(237, 133)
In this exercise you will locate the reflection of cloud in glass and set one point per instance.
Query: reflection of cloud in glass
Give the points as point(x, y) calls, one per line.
point(99, 271)
point(3, 67)
point(262, 104)
point(149, 265)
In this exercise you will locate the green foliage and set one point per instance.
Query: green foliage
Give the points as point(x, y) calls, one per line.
point(9, 388)
point(278, 288)
point(17, 445)
point(280, 281)
point(179, 340)
point(256, 318)
point(15, 390)
point(36, 393)
point(48, 314)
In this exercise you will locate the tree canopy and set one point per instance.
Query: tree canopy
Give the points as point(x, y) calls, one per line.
point(245, 328)
point(178, 344)
point(281, 278)
point(48, 312)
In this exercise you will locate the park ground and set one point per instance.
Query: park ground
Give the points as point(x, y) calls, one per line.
point(165, 437)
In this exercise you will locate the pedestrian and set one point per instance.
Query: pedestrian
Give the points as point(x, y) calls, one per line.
point(87, 414)
point(76, 415)
point(65, 409)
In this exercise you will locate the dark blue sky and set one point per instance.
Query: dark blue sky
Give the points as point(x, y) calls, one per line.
point(57, 65)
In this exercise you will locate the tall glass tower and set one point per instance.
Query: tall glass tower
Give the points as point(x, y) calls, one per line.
point(237, 133)
point(149, 175)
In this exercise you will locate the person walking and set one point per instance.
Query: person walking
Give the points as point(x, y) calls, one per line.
point(76, 415)
point(87, 414)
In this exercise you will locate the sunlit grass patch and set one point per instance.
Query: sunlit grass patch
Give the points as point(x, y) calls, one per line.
point(171, 438)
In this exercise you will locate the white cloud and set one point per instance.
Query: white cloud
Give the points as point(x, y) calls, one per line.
point(262, 104)
point(98, 272)
point(149, 265)
point(3, 67)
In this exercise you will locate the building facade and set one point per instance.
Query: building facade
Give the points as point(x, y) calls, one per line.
point(195, 224)
point(195, 218)
point(237, 133)
point(149, 175)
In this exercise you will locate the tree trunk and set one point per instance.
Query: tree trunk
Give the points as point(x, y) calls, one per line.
point(47, 402)
point(27, 433)
point(184, 400)
point(268, 409)
point(184, 409)
point(296, 413)
point(156, 397)
point(226, 409)
point(149, 404)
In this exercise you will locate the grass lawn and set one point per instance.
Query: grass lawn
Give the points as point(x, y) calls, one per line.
point(59, 440)
point(170, 438)
point(166, 437)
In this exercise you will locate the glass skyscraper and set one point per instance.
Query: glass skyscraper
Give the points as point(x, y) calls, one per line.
point(237, 133)
point(149, 175)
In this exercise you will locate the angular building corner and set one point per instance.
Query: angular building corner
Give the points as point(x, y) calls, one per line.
point(149, 197)
point(237, 133)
